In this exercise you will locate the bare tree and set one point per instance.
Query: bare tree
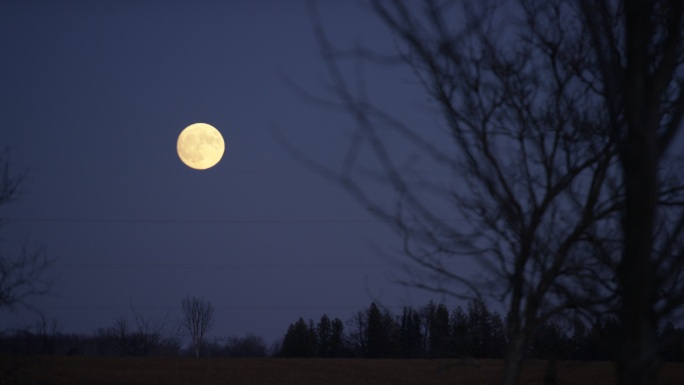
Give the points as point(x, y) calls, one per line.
point(250, 345)
point(47, 331)
point(148, 336)
point(23, 275)
point(559, 115)
point(198, 319)
point(119, 335)
point(639, 50)
point(528, 181)
point(358, 335)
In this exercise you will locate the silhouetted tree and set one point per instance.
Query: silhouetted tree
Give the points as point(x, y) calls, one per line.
point(376, 333)
point(578, 340)
point(313, 336)
point(479, 328)
point(391, 325)
point(198, 319)
point(672, 343)
point(337, 341)
point(603, 339)
point(410, 336)
point(153, 337)
point(120, 336)
point(427, 314)
point(47, 331)
point(549, 341)
point(324, 334)
point(143, 337)
point(358, 336)
point(22, 275)
point(250, 345)
point(639, 55)
point(439, 332)
point(459, 332)
point(535, 172)
point(498, 341)
point(300, 340)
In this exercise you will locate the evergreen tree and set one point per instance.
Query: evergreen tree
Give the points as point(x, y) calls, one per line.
point(376, 333)
point(578, 341)
point(672, 342)
point(459, 333)
point(300, 340)
point(312, 338)
point(498, 341)
point(337, 338)
point(390, 325)
point(602, 339)
point(439, 332)
point(324, 334)
point(479, 329)
point(410, 336)
point(548, 341)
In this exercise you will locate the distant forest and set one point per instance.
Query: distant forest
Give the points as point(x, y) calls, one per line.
point(431, 331)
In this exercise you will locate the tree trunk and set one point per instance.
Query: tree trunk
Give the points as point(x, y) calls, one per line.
point(514, 359)
point(638, 362)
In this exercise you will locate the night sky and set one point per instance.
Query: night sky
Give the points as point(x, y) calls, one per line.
point(93, 96)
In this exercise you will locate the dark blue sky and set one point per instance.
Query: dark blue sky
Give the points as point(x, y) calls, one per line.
point(93, 95)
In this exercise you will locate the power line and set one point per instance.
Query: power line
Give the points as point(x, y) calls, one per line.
point(207, 221)
point(198, 221)
point(93, 307)
point(208, 266)
point(101, 307)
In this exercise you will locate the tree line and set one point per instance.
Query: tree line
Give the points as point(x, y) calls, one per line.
point(430, 331)
point(141, 336)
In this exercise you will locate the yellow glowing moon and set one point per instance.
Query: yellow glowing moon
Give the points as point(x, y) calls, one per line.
point(200, 146)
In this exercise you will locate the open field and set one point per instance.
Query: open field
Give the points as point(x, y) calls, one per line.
point(209, 371)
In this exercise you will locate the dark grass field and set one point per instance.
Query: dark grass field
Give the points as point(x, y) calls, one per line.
point(209, 371)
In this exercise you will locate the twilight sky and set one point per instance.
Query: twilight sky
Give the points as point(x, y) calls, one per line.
point(93, 95)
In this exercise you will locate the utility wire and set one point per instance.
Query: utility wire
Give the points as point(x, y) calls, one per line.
point(220, 307)
point(198, 221)
point(302, 266)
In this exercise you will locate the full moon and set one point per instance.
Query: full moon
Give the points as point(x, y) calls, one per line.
point(200, 146)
